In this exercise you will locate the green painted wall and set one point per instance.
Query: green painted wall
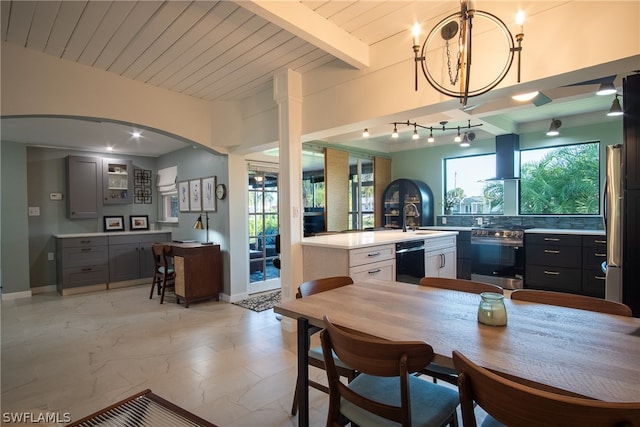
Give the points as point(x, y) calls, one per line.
point(14, 227)
point(426, 164)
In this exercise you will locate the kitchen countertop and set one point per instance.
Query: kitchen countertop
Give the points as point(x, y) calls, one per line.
point(362, 239)
point(110, 233)
point(566, 231)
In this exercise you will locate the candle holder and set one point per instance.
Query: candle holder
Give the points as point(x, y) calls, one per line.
point(492, 310)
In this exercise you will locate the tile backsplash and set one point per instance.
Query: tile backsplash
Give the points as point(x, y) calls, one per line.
point(529, 221)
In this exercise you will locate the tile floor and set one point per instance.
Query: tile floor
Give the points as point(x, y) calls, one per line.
point(79, 353)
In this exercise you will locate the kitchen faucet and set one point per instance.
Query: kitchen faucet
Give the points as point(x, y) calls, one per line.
point(404, 215)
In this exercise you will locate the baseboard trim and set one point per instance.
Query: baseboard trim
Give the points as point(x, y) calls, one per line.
point(44, 289)
point(17, 295)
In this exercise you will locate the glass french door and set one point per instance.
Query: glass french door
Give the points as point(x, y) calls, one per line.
point(263, 229)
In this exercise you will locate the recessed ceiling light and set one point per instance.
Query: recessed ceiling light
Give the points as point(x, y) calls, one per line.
point(109, 148)
point(525, 96)
point(136, 134)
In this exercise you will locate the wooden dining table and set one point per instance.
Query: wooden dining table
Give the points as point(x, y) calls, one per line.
point(568, 351)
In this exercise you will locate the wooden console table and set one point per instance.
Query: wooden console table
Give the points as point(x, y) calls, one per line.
point(198, 270)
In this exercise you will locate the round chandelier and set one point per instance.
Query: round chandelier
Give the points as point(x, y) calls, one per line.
point(447, 54)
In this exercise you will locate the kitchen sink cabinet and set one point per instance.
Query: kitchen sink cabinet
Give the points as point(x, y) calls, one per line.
point(565, 263)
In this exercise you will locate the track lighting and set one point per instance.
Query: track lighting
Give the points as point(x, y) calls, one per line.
point(606, 89)
point(458, 137)
point(365, 133)
point(553, 127)
point(443, 127)
point(616, 108)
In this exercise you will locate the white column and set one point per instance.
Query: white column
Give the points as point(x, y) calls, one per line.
point(287, 92)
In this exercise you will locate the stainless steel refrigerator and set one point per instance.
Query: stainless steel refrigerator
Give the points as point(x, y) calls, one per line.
point(613, 204)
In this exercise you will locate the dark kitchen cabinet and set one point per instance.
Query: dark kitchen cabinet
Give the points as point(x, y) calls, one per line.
point(410, 200)
point(130, 255)
point(553, 262)
point(565, 263)
point(84, 187)
point(463, 246)
point(594, 253)
point(81, 261)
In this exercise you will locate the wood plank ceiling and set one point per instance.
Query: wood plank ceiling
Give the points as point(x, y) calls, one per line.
point(213, 50)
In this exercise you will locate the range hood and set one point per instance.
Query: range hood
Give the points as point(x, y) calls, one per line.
point(507, 157)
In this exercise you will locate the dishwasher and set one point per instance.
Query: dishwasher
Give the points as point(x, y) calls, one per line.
point(410, 261)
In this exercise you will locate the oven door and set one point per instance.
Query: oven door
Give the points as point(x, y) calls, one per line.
point(502, 265)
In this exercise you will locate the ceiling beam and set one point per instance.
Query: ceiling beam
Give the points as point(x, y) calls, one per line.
point(303, 22)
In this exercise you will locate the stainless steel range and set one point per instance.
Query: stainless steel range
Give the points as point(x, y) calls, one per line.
point(497, 256)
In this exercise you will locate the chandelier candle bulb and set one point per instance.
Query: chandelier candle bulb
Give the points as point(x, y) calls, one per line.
point(492, 310)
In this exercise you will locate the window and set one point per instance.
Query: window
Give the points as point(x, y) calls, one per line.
point(467, 189)
point(561, 180)
point(166, 184)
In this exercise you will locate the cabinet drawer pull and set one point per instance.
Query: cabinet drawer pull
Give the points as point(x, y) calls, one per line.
point(87, 269)
point(551, 239)
point(86, 250)
point(552, 273)
point(85, 242)
point(372, 254)
point(600, 255)
point(549, 251)
point(599, 277)
point(377, 270)
point(442, 261)
point(600, 241)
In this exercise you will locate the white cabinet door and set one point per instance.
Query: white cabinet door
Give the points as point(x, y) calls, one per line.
point(441, 263)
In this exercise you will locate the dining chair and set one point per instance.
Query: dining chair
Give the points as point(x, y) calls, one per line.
point(384, 391)
point(163, 275)
point(581, 302)
point(434, 370)
point(510, 403)
point(316, 357)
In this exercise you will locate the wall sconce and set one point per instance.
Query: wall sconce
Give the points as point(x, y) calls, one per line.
point(365, 133)
point(616, 108)
point(452, 39)
point(443, 127)
point(553, 127)
point(198, 226)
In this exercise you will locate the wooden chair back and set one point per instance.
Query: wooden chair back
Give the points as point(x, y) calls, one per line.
point(161, 255)
point(581, 302)
point(320, 285)
point(514, 404)
point(462, 285)
point(374, 357)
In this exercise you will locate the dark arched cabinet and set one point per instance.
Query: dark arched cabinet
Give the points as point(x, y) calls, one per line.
point(410, 200)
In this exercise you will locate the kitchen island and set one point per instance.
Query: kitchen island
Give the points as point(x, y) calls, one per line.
point(372, 254)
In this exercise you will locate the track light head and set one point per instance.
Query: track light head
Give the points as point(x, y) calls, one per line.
point(616, 108)
point(553, 127)
point(606, 89)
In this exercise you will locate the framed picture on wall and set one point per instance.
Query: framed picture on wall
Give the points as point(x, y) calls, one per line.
point(139, 222)
point(209, 194)
point(195, 195)
point(183, 196)
point(113, 223)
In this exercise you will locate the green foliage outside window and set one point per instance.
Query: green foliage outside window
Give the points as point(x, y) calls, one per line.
point(562, 180)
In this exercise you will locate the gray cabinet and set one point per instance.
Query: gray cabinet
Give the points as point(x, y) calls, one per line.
point(117, 181)
point(82, 261)
point(594, 253)
point(130, 256)
point(83, 186)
